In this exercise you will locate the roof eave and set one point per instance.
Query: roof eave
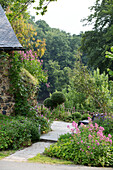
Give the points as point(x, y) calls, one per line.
point(12, 49)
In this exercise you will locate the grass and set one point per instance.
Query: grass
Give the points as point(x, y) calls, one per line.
point(40, 158)
point(4, 154)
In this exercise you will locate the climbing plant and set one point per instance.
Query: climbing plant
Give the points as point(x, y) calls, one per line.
point(25, 83)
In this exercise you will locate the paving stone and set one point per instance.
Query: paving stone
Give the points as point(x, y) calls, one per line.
point(28, 152)
point(58, 128)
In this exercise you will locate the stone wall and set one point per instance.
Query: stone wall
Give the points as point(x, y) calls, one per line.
point(6, 99)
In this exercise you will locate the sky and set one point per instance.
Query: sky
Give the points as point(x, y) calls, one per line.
point(66, 15)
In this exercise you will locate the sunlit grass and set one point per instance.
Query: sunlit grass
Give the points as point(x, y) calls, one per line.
point(48, 160)
point(4, 154)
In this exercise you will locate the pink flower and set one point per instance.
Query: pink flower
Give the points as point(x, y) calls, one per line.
point(38, 60)
point(101, 128)
point(68, 126)
point(98, 143)
point(74, 124)
point(96, 125)
point(91, 126)
point(72, 130)
point(82, 125)
point(93, 147)
point(89, 136)
point(107, 139)
point(77, 131)
point(110, 141)
point(81, 141)
point(89, 119)
point(88, 146)
point(109, 136)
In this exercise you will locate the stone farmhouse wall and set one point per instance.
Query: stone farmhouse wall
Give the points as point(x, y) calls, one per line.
point(6, 99)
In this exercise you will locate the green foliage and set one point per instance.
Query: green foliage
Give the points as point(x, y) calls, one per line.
point(85, 147)
point(17, 132)
point(76, 115)
point(19, 7)
point(105, 121)
point(58, 98)
point(85, 116)
point(42, 115)
point(25, 77)
point(96, 42)
point(59, 56)
point(88, 91)
point(44, 124)
point(48, 103)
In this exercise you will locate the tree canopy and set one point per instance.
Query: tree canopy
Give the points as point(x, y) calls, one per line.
point(96, 42)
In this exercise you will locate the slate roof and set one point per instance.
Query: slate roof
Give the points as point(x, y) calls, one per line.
point(8, 39)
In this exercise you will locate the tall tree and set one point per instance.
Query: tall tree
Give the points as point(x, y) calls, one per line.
point(18, 7)
point(97, 41)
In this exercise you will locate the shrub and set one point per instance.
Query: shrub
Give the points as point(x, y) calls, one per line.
point(76, 115)
point(44, 124)
point(85, 116)
point(18, 132)
point(86, 146)
point(58, 98)
point(48, 103)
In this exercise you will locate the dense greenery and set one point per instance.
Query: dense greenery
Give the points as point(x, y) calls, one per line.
point(59, 57)
point(97, 41)
point(88, 91)
point(21, 131)
point(25, 75)
point(17, 132)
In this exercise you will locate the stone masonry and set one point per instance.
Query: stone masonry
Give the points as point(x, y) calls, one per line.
point(6, 99)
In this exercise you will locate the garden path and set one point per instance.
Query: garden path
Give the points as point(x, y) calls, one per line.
point(58, 128)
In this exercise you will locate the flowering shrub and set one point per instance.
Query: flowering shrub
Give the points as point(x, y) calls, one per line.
point(33, 64)
point(105, 121)
point(87, 146)
point(25, 76)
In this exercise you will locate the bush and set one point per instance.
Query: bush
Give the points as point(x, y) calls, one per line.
point(58, 98)
point(87, 146)
point(48, 103)
point(18, 132)
point(76, 115)
point(85, 116)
